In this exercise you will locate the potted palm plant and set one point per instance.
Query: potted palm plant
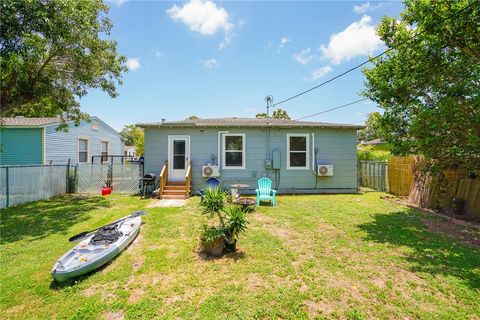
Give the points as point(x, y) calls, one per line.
point(212, 239)
point(235, 224)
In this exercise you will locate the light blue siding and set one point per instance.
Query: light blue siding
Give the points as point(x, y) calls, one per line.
point(335, 146)
point(21, 146)
point(61, 146)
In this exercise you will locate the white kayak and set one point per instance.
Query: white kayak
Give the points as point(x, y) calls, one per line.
point(87, 256)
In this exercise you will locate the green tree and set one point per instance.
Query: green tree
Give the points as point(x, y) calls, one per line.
point(134, 136)
point(52, 53)
point(277, 114)
point(192, 117)
point(372, 127)
point(429, 87)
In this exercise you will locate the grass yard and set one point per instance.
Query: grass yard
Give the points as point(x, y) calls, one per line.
point(326, 256)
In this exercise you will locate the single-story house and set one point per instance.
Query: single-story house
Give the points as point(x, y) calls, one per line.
point(298, 156)
point(36, 141)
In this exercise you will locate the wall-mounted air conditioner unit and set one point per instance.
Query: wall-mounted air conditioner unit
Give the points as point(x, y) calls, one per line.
point(210, 171)
point(324, 170)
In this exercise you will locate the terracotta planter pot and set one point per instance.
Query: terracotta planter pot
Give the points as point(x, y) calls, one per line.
point(214, 248)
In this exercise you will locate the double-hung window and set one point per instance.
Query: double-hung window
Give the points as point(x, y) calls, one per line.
point(297, 151)
point(104, 151)
point(234, 151)
point(82, 150)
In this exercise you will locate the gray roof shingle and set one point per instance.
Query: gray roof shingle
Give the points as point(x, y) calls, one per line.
point(29, 122)
point(247, 122)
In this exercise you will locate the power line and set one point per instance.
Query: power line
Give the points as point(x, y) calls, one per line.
point(328, 110)
point(373, 58)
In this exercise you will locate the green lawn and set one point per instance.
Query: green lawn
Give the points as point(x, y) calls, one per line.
point(326, 256)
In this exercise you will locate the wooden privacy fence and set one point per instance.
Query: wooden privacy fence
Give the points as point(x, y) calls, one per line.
point(438, 191)
point(373, 174)
point(400, 176)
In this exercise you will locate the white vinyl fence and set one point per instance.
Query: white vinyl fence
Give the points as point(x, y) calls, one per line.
point(20, 184)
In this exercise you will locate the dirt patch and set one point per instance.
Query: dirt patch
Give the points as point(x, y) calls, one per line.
point(255, 282)
point(467, 235)
point(138, 263)
point(106, 291)
point(119, 315)
point(316, 308)
point(136, 295)
point(270, 225)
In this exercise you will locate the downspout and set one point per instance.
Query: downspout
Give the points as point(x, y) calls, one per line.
point(219, 142)
point(313, 154)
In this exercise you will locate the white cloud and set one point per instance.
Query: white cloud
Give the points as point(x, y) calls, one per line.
point(283, 42)
point(133, 64)
point(365, 7)
point(358, 39)
point(202, 16)
point(304, 56)
point(206, 18)
point(118, 3)
point(210, 63)
point(158, 54)
point(320, 72)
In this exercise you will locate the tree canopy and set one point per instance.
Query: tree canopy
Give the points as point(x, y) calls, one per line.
point(429, 87)
point(134, 136)
point(276, 114)
point(192, 117)
point(372, 127)
point(52, 52)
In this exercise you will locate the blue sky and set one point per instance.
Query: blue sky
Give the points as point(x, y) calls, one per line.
point(220, 59)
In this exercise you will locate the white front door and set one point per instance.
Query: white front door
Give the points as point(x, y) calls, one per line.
point(178, 157)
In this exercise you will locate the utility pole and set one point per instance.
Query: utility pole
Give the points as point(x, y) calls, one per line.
point(269, 101)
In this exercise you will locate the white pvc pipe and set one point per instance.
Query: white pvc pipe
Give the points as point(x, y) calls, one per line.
point(313, 154)
point(218, 146)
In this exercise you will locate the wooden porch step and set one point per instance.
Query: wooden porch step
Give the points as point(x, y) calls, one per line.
point(175, 191)
point(174, 187)
point(176, 183)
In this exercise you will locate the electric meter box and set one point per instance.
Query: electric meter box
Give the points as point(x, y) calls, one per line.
point(276, 159)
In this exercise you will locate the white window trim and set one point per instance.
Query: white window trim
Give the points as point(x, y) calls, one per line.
point(101, 149)
point(78, 149)
point(224, 151)
point(307, 136)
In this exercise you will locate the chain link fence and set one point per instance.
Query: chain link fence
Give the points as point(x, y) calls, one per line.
point(21, 184)
point(124, 178)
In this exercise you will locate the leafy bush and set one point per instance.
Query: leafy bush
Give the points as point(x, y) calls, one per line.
point(367, 153)
point(214, 202)
point(236, 222)
point(211, 233)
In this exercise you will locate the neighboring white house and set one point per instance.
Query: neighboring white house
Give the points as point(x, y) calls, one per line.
point(130, 151)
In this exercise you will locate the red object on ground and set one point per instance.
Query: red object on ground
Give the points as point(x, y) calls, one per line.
point(106, 191)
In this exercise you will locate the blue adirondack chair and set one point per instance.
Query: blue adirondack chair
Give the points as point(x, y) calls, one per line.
point(265, 192)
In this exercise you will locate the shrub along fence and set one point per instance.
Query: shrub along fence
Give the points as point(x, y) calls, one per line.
point(26, 183)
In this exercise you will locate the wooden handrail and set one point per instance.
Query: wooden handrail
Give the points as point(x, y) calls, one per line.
point(163, 179)
point(188, 180)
